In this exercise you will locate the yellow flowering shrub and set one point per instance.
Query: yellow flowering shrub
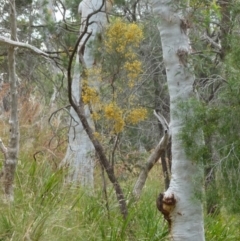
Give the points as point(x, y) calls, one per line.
point(113, 112)
point(95, 116)
point(94, 74)
point(136, 115)
point(119, 72)
point(119, 125)
point(122, 36)
point(89, 94)
point(121, 41)
point(133, 69)
point(97, 135)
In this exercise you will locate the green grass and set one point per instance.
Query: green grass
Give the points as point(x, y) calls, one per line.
point(222, 227)
point(47, 209)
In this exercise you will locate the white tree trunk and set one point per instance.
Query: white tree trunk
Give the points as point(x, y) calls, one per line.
point(80, 151)
point(179, 203)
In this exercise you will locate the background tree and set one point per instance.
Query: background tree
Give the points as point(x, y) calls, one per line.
point(80, 156)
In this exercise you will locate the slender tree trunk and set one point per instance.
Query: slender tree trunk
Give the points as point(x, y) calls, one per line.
point(47, 16)
point(179, 204)
point(11, 153)
point(154, 157)
point(79, 156)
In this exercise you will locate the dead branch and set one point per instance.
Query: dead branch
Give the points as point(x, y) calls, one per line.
point(7, 41)
point(154, 157)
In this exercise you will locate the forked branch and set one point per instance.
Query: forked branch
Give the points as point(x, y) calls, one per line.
point(154, 157)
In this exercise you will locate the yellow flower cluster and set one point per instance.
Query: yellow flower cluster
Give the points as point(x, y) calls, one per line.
point(89, 95)
point(109, 110)
point(94, 74)
point(113, 112)
point(136, 115)
point(121, 35)
point(121, 40)
point(133, 69)
point(97, 135)
point(95, 116)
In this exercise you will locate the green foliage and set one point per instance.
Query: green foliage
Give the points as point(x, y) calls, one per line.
point(45, 209)
point(72, 5)
point(195, 118)
point(222, 228)
point(217, 123)
point(23, 3)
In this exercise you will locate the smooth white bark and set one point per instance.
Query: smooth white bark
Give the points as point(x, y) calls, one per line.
point(186, 215)
point(80, 151)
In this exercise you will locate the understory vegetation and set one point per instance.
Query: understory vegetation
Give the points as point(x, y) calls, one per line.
point(125, 85)
point(46, 208)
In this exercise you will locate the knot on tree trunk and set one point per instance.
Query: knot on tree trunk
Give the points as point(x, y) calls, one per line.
point(182, 54)
point(166, 204)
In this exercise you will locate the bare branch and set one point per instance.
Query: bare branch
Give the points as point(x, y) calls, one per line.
point(7, 41)
point(162, 120)
point(212, 42)
point(153, 158)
